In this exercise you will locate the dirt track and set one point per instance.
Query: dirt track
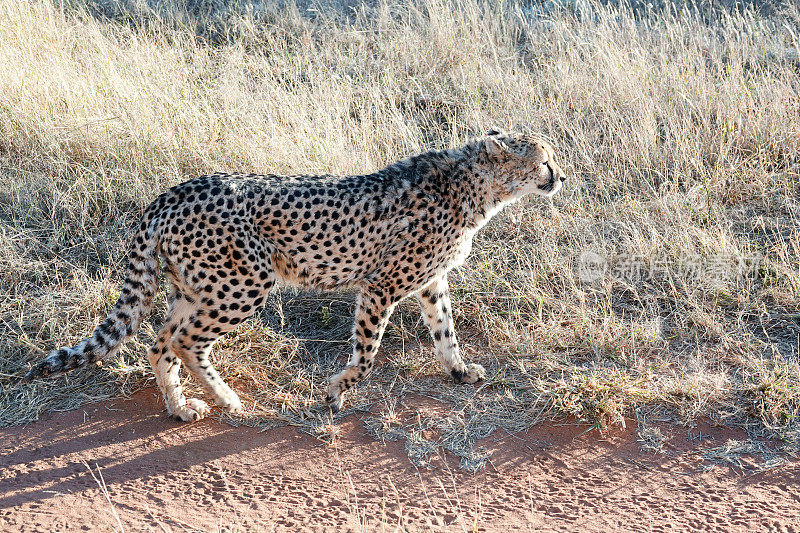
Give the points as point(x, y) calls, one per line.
point(164, 475)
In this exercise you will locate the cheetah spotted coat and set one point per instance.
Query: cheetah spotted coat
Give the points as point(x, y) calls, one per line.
point(226, 238)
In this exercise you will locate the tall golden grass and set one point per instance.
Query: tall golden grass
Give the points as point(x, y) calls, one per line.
point(679, 128)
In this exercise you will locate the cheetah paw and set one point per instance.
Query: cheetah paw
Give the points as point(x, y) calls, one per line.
point(231, 404)
point(334, 403)
point(471, 374)
point(194, 409)
point(334, 398)
point(475, 373)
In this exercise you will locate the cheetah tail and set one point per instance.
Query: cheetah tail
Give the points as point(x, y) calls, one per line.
point(136, 297)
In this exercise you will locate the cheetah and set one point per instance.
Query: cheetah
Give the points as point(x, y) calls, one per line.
point(226, 238)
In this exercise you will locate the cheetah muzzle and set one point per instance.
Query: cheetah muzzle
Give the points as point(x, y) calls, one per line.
point(226, 238)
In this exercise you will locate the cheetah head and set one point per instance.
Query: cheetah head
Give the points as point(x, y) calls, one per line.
point(522, 165)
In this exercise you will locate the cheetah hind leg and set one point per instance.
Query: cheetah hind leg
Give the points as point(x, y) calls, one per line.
point(195, 355)
point(193, 342)
point(166, 365)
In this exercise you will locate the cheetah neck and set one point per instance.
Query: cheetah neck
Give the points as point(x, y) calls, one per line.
point(490, 211)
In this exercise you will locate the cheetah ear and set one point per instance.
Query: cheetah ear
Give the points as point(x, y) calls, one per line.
point(495, 131)
point(495, 147)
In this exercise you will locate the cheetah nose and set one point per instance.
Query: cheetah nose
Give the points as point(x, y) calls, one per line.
point(562, 176)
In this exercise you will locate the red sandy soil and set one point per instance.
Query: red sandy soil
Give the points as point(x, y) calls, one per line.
point(163, 475)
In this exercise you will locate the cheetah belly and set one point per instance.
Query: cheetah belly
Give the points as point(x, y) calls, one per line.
point(462, 252)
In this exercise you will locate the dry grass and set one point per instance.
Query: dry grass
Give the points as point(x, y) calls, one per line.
point(679, 128)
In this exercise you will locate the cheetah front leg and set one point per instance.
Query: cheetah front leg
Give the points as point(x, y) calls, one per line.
point(372, 315)
point(434, 299)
